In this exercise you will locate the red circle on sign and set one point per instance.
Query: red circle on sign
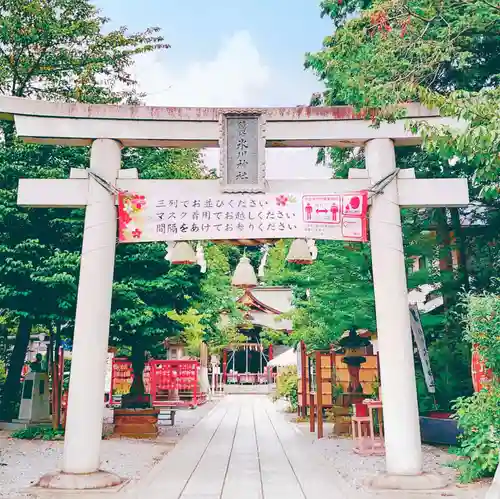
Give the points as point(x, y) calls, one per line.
point(355, 202)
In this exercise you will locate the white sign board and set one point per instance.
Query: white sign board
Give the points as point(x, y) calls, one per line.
point(108, 372)
point(242, 216)
point(418, 334)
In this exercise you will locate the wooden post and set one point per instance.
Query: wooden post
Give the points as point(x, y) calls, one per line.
point(379, 379)
point(152, 382)
point(319, 393)
point(311, 411)
point(303, 379)
point(224, 366)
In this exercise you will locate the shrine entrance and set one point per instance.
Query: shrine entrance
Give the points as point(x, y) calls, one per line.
point(242, 206)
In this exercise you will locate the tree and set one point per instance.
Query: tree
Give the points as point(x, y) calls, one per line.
point(38, 259)
point(330, 295)
point(445, 54)
point(60, 50)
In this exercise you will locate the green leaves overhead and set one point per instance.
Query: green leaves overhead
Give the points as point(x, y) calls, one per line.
point(331, 295)
point(59, 50)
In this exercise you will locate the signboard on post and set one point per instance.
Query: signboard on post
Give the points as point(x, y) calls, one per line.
point(242, 216)
point(418, 334)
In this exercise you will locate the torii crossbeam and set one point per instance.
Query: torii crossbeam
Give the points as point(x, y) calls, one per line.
point(108, 128)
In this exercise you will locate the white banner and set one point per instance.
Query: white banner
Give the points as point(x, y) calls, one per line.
point(242, 216)
point(418, 334)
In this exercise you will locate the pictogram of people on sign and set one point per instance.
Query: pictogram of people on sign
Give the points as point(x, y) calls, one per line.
point(309, 210)
point(334, 210)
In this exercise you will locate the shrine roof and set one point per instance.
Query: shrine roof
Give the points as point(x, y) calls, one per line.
point(11, 106)
point(272, 299)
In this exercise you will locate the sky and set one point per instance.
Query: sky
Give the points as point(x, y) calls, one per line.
point(230, 53)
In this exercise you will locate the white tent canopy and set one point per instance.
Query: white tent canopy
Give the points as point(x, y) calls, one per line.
point(287, 358)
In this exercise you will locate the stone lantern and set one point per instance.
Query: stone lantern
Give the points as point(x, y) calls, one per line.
point(354, 346)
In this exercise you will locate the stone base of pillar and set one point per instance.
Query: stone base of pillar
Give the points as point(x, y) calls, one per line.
point(422, 482)
point(86, 481)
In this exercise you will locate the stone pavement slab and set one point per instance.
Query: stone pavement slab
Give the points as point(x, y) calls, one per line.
point(243, 449)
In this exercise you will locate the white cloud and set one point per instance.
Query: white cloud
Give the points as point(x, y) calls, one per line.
point(236, 77)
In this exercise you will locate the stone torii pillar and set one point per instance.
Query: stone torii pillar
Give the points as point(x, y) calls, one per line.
point(98, 125)
point(82, 441)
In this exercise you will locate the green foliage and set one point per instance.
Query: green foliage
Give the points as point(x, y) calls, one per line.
point(149, 294)
point(477, 145)
point(274, 337)
point(287, 386)
point(60, 50)
point(483, 327)
point(38, 433)
point(63, 50)
point(450, 365)
point(331, 295)
point(193, 330)
point(444, 54)
point(3, 372)
point(478, 416)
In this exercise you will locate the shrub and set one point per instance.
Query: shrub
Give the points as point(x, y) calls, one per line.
point(479, 418)
point(479, 415)
point(287, 386)
point(38, 433)
point(483, 327)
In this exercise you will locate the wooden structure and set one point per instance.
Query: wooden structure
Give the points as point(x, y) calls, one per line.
point(367, 441)
point(174, 383)
point(334, 376)
point(140, 423)
point(171, 383)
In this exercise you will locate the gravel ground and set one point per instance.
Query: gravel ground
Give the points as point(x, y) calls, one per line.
point(23, 462)
point(354, 469)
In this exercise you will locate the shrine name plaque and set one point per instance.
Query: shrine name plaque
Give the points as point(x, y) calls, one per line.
point(242, 152)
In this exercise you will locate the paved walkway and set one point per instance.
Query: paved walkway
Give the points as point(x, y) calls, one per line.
point(243, 449)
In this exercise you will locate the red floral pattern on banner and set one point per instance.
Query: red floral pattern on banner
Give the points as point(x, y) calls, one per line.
point(130, 222)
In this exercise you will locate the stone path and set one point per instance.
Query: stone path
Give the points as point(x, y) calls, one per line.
point(242, 449)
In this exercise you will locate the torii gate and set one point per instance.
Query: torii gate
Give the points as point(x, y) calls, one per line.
point(107, 128)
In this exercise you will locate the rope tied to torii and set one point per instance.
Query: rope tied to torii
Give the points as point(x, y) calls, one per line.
point(378, 187)
point(104, 183)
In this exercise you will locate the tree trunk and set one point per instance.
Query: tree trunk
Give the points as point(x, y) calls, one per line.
point(138, 361)
point(56, 381)
point(137, 397)
point(460, 244)
point(11, 390)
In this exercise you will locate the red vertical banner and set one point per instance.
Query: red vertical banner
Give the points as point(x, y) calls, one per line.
point(481, 376)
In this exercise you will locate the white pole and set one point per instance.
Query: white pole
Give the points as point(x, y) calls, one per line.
point(494, 490)
point(90, 345)
point(397, 372)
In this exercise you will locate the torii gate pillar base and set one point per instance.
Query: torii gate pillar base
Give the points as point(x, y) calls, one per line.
point(86, 481)
point(421, 482)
